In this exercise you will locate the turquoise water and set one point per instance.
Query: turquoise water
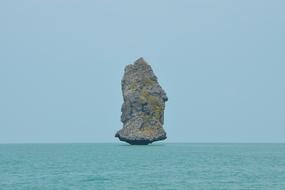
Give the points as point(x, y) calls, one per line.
point(157, 166)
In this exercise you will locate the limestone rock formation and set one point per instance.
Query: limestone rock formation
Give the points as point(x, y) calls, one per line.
point(143, 107)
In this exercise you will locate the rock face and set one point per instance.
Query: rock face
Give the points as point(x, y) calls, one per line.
point(143, 107)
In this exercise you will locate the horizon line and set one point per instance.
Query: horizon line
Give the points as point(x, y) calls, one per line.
point(6, 143)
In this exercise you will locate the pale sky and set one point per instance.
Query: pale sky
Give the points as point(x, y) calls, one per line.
point(221, 63)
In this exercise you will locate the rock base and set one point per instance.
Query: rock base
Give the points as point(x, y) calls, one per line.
point(139, 142)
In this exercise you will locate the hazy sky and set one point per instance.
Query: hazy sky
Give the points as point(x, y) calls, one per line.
point(221, 62)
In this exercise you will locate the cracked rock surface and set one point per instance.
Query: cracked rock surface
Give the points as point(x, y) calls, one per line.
point(143, 107)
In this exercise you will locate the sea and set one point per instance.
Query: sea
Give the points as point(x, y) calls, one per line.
point(165, 166)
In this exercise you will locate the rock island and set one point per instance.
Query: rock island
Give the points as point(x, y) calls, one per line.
point(143, 106)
